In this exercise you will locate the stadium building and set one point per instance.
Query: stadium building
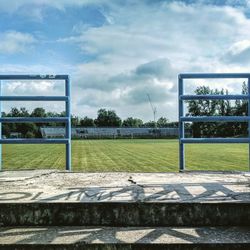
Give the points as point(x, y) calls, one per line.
point(120, 132)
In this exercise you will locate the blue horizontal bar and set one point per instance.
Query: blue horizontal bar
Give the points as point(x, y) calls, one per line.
point(215, 140)
point(214, 97)
point(34, 77)
point(215, 119)
point(213, 75)
point(34, 141)
point(34, 119)
point(34, 98)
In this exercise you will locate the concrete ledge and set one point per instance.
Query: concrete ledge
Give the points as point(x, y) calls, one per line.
point(125, 238)
point(124, 199)
point(125, 214)
point(56, 186)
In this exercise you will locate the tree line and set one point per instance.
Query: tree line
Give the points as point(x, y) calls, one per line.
point(218, 108)
point(105, 118)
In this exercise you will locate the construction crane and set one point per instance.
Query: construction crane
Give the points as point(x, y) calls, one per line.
point(153, 108)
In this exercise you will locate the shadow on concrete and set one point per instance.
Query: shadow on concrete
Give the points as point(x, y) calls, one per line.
point(118, 235)
point(142, 193)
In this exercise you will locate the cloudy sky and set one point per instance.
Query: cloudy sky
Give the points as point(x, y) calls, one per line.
point(117, 51)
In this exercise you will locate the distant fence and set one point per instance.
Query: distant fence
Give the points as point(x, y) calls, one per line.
point(120, 132)
point(182, 119)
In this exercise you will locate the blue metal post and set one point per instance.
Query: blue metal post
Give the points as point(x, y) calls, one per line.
point(214, 75)
point(68, 125)
point(65, 119)
point(1, 127)
point(181, 126)
point(183, 119)
point(248, 113)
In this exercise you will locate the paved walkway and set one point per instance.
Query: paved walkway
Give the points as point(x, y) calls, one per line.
point(57, 186)
point(121, 235)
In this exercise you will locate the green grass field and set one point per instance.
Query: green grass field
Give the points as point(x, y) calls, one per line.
point(127, 155)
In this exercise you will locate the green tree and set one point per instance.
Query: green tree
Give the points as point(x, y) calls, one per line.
point(150, 124)
point(201, 108)
point(162, 122)
point(224, 129)
point(87, 122)
point(107, 118)
point(14, 112)
point(75, 121)
point(221, 108)
point(6, 129)
point(132, 122)
point(205, 108)
point(24, 128)
point(38, 112)
point(24, 112)
point(241, 109)
point(29, 134)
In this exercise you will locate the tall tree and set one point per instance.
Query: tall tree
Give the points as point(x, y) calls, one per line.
point(14, 112)
point(87, 122)
point(132, 122)
point(241, 109)
point(149, 124)
point(202, 108)
point(107, 118)
point(38, 112)
point(221, 108)
point(162, 122)
point(75, 121)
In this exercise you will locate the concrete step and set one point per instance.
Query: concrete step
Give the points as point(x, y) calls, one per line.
point(124, 238)
point(219, 213)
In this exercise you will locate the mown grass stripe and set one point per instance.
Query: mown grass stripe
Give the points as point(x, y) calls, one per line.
point(149, 155)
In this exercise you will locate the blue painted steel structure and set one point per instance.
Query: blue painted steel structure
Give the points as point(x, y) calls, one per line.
point(66, 119)
point(182, 119)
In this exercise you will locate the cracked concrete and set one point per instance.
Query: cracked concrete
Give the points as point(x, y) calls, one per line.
point(61, 210)
point(52, 185)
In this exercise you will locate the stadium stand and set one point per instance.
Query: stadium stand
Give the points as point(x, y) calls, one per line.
point(89, 132)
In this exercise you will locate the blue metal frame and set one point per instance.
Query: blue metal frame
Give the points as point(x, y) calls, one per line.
point(182, 119)
point(66, 119)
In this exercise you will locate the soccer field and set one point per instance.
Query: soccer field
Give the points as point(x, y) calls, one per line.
point(139, 155)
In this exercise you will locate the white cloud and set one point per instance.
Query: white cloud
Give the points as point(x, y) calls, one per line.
point(12, 42)
point(143, 46)
point(14, 5)
point(146, 46)
point(238, 53)
point(35, 10)
point(30, 87)
point(34, 87)
point(154, 31)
